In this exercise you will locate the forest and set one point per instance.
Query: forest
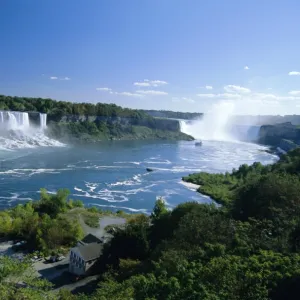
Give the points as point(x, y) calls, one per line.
point(245, 249)
point(173, 114)
point(63, 108)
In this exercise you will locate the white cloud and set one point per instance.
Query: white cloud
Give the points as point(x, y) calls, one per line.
point(189, 100)
point(148, 83)
point(220, 96)
point(229, 96)
point(182, 99)
point(236, 89)
point(246, 68)
point(63, 78)
point(106, 89)
point(141, 84)
point(207, 95)
point(208, 87)
point(294, 93)
point(294, 73)
point(152, 92)
point(127, 94)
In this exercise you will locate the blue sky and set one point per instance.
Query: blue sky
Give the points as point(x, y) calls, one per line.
point(186, 55)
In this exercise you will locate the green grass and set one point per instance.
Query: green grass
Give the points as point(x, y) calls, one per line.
point(91, 220)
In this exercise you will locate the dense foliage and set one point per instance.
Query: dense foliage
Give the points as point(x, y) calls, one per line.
point(246, 249)
point(173, 114)
point(82, 132)
point(62, 108)
point(43, 224)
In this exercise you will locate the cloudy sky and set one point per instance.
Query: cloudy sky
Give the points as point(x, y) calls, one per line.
point(184, 55)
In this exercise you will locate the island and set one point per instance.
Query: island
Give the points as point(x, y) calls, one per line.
point(81, 123)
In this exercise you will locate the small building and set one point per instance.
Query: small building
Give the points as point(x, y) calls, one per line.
point(85, 255)
point(88, 239)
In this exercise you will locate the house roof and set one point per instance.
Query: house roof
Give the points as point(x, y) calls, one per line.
point(90, 251)
point(90, 238)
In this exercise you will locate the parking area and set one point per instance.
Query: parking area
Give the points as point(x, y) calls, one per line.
point(50, 270)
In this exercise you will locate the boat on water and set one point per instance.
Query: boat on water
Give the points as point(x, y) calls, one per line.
point(198, 143)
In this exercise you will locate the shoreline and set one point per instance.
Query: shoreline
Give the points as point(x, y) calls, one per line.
point(189, 185)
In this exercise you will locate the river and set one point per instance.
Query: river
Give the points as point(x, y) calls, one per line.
point(113, 175)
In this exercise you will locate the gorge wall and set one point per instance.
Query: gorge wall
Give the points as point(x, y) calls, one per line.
point(285, 135)
point(153, 123)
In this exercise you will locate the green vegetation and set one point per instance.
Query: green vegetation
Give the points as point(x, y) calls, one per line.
point(89, 123)
point(85, 131)
point(91, 220)
point(225, 188)
point(246, 249)
point(57, 109)
point(173, 114)
point(43, 224)
point(17, 281)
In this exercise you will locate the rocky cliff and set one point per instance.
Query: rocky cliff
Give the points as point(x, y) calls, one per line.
point(153, 123)
point(285, 135)
point(81, 128)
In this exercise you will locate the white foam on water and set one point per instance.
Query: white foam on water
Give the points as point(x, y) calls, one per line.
point(141, 210)
point(164, 162)
point(16, 132)
point(128, 162)
point(31, 172)
point(136, 180)
point(105, 198)
point(91, 186)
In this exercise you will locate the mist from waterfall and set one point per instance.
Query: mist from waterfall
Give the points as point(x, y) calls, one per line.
point(219, 124)
point(17, 132)
point(213, 125)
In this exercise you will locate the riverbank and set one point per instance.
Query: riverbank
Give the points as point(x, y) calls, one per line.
point(223, 187)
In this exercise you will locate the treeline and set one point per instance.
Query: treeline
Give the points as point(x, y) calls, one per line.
point(173, 114)
point(224, 188)
point(62, 108)
point(246, 249)
point(43, 225)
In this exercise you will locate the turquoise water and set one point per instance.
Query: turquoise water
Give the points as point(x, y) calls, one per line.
point(113, 175)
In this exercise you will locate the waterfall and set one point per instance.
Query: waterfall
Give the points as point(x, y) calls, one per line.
point(12, 120)
point(17, 132)
point(43, 121)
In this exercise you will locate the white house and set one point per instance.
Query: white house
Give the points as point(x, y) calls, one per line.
point(84, 255)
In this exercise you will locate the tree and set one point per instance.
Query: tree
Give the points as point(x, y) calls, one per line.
point(53, 204)
point(272, 196)
point(159, 210)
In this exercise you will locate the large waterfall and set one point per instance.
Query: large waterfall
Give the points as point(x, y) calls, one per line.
point(14, 120)
point(220, 124)
point(16, 131)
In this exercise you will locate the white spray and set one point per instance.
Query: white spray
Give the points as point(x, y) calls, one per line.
point(214, 125)
point(17, 132)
